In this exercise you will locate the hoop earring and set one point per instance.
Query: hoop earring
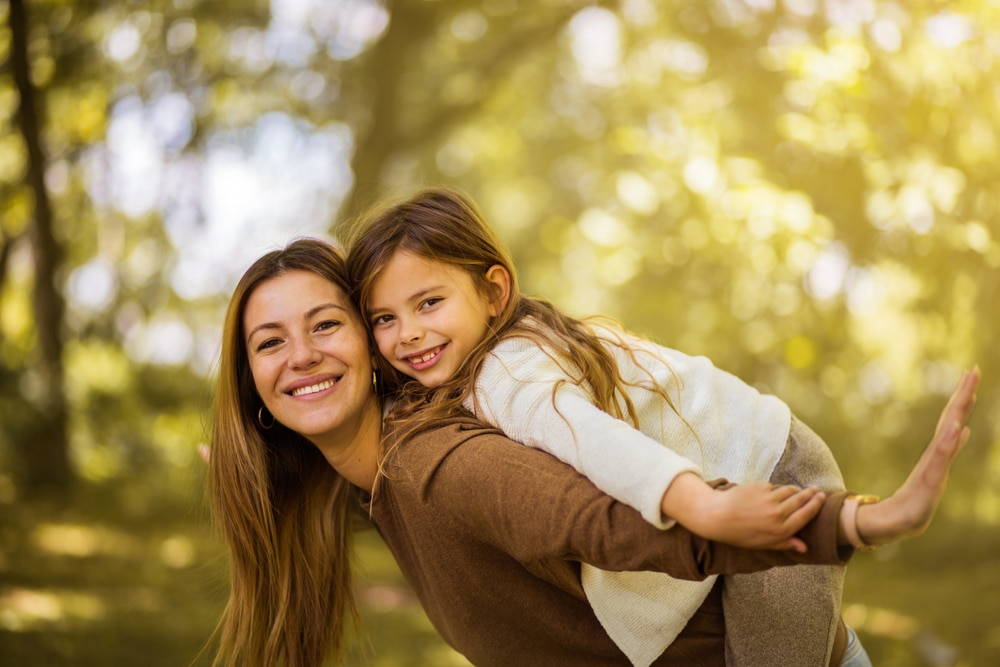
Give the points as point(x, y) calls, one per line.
point(375, 381)
point(260, 419)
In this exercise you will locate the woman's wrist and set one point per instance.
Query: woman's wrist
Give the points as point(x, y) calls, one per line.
point(854, 527)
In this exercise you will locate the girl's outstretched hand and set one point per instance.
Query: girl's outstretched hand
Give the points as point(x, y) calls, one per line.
point(908, 512)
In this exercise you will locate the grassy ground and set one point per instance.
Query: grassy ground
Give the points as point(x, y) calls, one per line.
point(933, 602)
point(91, 585)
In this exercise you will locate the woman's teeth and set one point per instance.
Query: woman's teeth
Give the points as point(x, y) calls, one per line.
point(313, 388)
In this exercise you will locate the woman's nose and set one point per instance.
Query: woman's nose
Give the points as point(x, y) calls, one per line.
point(303, 353)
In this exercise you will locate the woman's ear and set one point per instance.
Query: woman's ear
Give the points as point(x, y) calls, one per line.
point(498, 286)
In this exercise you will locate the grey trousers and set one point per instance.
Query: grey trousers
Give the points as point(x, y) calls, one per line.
point(788, 615)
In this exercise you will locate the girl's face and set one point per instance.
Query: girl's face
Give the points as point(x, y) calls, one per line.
point(309, 356)
point(428, 316)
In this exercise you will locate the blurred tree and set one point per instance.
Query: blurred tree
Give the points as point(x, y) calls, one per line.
point(43, 447)
point(801, 191)
point(804, 191)
point(428, 74)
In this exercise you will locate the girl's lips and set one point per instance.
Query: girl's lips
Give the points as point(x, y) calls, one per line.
point(426, 359)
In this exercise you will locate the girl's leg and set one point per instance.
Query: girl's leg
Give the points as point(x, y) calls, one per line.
point(855, 656)
point(788, 615)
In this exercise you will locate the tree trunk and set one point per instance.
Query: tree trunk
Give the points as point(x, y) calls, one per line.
point(411, 23)
point(387, 62)
point(44, 448)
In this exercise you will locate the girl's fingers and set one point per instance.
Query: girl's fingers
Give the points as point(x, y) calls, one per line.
point(799, 517)
point(795, 497)
point(794, 544)
point(784, 491)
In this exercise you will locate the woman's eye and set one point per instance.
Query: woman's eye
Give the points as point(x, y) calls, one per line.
point(326, 325)
point(269, 343)
point(433, 301)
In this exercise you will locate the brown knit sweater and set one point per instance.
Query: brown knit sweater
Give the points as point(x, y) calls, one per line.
point(490, 535)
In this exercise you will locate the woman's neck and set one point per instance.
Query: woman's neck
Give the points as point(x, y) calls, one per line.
point(355, 456)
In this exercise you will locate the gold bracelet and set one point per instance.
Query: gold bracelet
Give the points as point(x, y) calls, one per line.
point(851, 505)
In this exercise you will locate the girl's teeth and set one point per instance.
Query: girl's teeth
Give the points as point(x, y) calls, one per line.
point(426, 357)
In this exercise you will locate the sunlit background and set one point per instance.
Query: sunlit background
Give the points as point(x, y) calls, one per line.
point(806, 191)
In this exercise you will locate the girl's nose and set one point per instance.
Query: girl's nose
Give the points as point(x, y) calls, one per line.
point(410, 332)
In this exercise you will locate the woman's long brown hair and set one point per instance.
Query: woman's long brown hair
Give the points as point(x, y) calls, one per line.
point(284, 512)
point(444, 224)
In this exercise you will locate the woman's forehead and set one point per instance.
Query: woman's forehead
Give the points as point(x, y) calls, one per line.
point(295, 293)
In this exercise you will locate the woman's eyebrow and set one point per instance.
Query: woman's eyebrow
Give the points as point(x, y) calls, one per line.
point(317, 309)
point(312, 312)
point(260, 327)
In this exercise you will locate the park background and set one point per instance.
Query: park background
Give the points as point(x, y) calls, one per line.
point(806, 191)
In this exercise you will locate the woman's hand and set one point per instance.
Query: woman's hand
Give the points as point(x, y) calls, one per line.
point(908, 512)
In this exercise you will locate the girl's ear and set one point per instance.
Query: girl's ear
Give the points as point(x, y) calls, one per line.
point(498, 286)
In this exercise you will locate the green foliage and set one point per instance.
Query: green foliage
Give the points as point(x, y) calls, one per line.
point(805, 192)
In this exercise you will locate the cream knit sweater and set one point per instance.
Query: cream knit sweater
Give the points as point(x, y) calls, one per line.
point(741, 434)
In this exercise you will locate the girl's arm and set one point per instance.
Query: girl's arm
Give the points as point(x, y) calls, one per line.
point(514, 391)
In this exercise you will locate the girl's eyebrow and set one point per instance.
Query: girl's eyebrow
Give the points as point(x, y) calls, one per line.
point(416, 296)
point(309, 313)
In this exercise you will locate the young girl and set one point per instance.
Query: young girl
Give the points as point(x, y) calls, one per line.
point(645, 423)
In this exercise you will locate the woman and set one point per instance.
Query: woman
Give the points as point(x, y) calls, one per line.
point(489, 533)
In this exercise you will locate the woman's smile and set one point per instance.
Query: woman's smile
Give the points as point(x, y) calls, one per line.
point(309, 356)
point(310, 389)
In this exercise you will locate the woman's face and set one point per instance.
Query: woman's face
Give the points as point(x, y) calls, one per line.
point(309, 356)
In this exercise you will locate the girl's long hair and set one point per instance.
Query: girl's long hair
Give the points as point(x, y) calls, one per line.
point(443, 224)
point(284, 511)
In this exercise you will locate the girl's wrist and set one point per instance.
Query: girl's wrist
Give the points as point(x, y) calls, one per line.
point(686, 493)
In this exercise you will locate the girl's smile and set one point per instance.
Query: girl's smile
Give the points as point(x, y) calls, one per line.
point(424, 360)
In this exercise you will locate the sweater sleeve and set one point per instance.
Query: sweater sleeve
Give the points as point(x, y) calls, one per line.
point(534, 507)
point(526, 393)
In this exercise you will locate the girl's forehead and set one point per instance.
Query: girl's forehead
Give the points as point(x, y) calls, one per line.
point(406, 266)
point(431, 260)
point(408, 274)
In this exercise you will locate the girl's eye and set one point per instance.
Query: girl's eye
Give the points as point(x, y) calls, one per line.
point(433, 301)
point(381, 319)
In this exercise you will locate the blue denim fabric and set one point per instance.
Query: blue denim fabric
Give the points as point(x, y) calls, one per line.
point(855, 655)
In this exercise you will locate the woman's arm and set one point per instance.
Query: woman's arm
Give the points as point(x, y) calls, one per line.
point(534, 507)
point(908, 512)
